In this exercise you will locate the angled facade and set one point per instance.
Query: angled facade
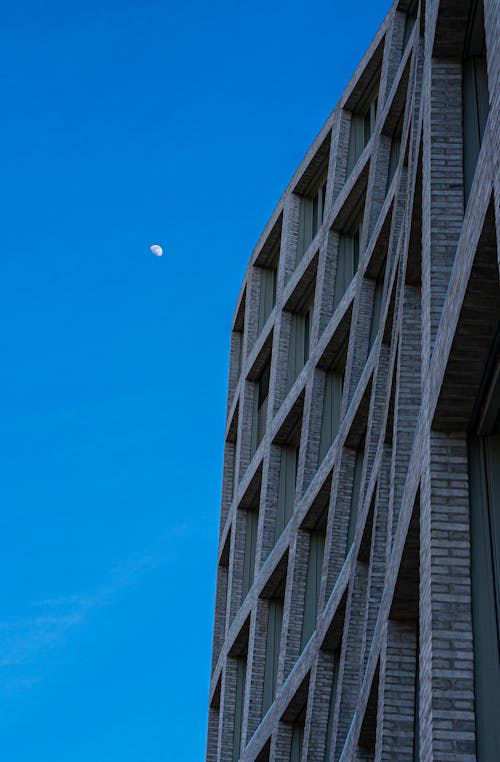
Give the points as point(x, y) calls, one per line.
point(357, 610)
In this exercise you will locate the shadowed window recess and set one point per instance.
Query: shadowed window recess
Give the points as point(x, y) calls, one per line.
point(261, 395)
point(484, 467)
point(332, 403)
point(362, 125)
point(300, 339)
point(475, 104)
point(348, 255)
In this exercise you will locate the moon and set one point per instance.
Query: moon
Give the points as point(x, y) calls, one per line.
point(156, 250)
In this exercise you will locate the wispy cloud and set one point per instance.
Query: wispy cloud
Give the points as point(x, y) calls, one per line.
point(49, 622)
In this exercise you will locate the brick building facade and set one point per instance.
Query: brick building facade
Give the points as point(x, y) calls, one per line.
point(357, 604)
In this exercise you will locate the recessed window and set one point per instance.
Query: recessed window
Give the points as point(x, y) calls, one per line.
point(286, 487)
point(266, 271)
point(377, 305)
point(484, 468)
point(411, 17)
point(300, 339)
point(362, 126)
point(331, 648)
point(293, 719)
point(297, 737)
point(264, 755)
point(347, 262)
point(236, 672)
point(241, 671)
point(392, 129)
point(332, 403)
point(274, 625)
point(368, 730)
point(230, 475)
point(475, 100)
point(268, 282)
point(332, 698)
point(261, 396)
point(251, 525)
point(312, 211)
point(213, 722)
point(313, 584)
point(221, 598)
point(236, 361)
point(356, 491)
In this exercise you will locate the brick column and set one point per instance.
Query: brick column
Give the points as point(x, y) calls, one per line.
point(447, 727)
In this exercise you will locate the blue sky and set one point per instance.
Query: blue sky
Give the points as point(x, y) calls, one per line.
point(126, 124)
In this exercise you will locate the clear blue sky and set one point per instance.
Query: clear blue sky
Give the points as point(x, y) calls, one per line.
point(126, 124)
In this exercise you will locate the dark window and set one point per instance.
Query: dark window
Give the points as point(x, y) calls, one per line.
point(475, 97)
point(356, 492)
point(347, 262)
point(484, 466)
point(261, 396)
point(313, 584)
point(362, 126)
point(331, 702)
point(252, 522)
point(286, 487)
point(241, 670)
point(332, 404)
point(268, 279)
point(312, 211)
point(300, 338)
point(297, 738)
point(377, 305)
point(274, 625)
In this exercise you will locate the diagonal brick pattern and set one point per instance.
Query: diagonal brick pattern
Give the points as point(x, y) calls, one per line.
point(344, 625)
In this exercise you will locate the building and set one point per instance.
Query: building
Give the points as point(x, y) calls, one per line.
point(358, 581)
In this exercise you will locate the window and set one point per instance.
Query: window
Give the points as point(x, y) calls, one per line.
point(221, 590)
point(416, 703)
point(396, 124)
point(356, 491)
point(332, 402)
point(292, 722)
point(237, 342)
point(411, 17)
point(312, 210)
point(475, 100)
point(332, 701)
point(265, 753)
point(236, 353)
point(484, 467)
point(230, 479)
point(213, 722)
point(300, 337)
point(377, 305)
point(268, 281)
point(313, 584)
point(274, 625)
point(266, 272)
point(297, 737)
point(368, 730)
point(261, 396)
point(252, 521)
point(347, 262)
point(286, 487)
point(362, 126)
point(241, 671)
